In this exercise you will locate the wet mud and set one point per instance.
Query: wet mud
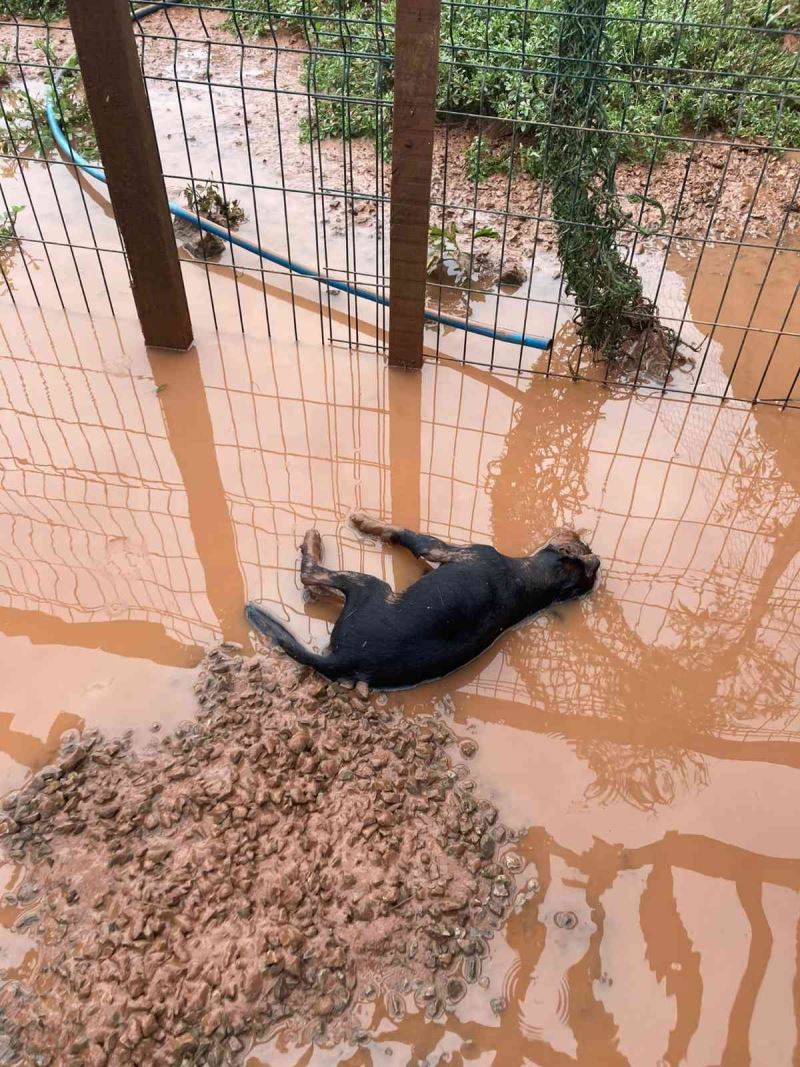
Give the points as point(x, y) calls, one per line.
point(297, 849)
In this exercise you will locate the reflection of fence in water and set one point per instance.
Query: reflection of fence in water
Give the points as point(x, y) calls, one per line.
point(692, 522)
point(94, 514)
point(659, 911)
point(308, 439)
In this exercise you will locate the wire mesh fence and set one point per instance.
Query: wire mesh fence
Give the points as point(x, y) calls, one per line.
point(125, 505)
point(160, 511)
point(274, 119)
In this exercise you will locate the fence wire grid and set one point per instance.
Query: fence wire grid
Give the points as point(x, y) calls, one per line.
point(286, 108)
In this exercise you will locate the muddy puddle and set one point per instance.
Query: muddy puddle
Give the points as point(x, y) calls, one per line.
point(644, 741)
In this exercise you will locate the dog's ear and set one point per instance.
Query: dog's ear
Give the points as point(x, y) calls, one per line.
point(592, 564)
point(562, 536)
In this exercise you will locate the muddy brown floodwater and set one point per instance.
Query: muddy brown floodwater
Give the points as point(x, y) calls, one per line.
point(644, 742)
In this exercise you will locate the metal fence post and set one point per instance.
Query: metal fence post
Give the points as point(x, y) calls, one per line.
point(416, 67)
point(126, 137)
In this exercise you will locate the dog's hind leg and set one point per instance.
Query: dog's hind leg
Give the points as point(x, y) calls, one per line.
point(421, 545)
point(319, 581)
point(312, 573)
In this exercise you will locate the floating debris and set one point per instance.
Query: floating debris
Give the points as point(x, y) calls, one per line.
point(565, 920)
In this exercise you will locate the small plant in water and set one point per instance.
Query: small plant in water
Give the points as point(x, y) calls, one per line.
point(209, 202)
point(8, 232)
point(5, 77)
point(23, 126)
point(8, 241)
point(447, 257)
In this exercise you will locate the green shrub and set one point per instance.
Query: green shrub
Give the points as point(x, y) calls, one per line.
point(665, 79)
point(8, 232)
point(23, 123)
point(46, 10)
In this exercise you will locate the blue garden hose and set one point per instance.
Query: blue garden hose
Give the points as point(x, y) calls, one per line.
point(273, 257)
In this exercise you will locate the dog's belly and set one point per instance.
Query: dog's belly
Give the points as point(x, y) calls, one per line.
point(434, 628)
point(420, 661)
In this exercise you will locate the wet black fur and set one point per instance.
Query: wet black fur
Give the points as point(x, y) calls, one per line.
point(442, 621)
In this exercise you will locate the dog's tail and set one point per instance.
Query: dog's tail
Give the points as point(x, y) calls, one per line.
point(267, 624)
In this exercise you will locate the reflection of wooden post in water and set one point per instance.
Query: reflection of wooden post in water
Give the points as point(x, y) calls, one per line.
point(405, 464)
point(26, 749)
point(416, 69)
point(126, 137)
point(191, 438)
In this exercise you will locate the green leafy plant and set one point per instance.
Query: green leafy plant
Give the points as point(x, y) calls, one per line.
point(46, 10)
point(5, 76)
point(71, 107)
point(9, 242)
point(613, 317)
point(720, 65)
point(445, 254)
point(24, 126)
point(8, 231)
point(208, 201)
point(350, 64)
point(41, 10)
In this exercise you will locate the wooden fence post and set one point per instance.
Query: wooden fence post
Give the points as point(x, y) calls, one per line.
point(416, 68)
point(405, 464)
point(126, 137)
point(191, 438)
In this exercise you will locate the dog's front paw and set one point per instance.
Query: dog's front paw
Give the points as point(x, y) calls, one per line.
point(365, 524)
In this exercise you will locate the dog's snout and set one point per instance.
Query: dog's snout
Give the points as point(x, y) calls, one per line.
point(592, 564)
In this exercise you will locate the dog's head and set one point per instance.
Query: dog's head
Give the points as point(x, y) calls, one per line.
point(569, 564)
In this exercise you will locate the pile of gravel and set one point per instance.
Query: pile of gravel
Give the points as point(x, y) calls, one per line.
point(298, 847)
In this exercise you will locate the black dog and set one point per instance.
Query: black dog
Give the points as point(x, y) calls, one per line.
point(440, 622)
